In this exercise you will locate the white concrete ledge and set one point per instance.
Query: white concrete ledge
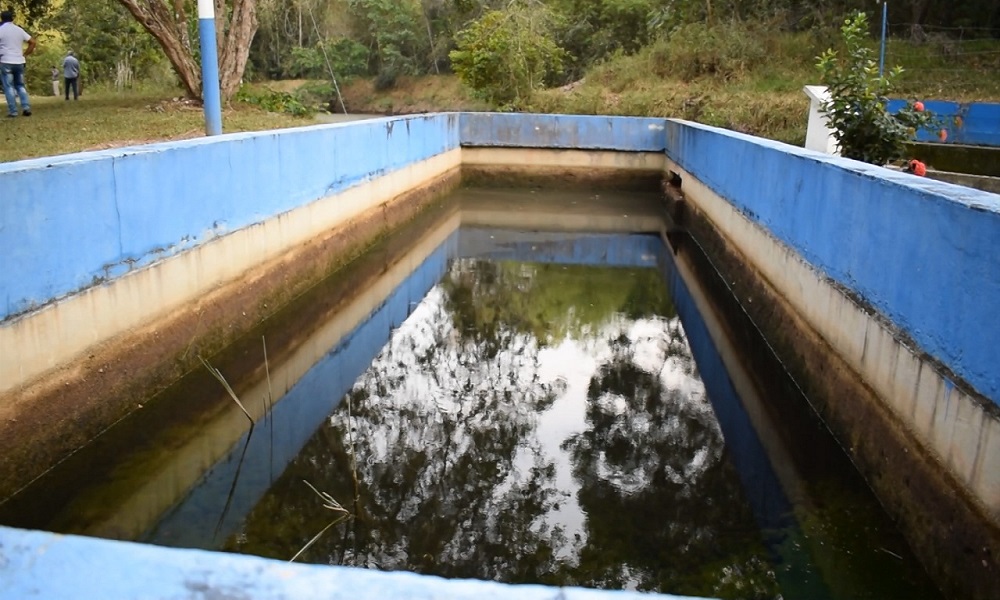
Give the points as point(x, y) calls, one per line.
point(46, 566)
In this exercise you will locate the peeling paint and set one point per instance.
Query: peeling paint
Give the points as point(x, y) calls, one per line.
point(132, 204)
point(908, 246)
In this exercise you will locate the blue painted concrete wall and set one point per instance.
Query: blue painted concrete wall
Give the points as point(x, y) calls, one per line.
point(922, 252)
point(579, 132)
point(69, 222)
point(975, 123)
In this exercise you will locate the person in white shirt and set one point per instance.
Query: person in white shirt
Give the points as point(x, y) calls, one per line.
point(12, 53)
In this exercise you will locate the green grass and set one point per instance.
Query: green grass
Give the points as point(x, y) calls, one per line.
point(763, 96)
point(104, 119)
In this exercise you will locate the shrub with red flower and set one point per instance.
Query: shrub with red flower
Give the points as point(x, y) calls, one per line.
point(856, 110)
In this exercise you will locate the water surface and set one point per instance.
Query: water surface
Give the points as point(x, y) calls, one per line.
point(533, 388)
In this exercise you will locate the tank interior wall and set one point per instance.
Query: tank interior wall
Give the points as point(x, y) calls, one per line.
point(907, 246)
point(896, 273)
point(91, 238)
point(917, 253)
point(893, 278)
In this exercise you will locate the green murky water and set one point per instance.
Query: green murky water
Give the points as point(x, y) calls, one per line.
point(524, 403)
point(527, 423)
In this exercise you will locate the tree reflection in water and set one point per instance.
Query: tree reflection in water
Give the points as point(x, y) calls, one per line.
point(528, 423)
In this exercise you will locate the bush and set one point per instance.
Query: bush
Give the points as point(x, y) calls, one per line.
point(392, 30)
point(272, 101)
point(506, 55)
point(346, 58)
point(318, 96)
point(856, 110)
point(728, 50)
point(385, 80)
point(38, 69)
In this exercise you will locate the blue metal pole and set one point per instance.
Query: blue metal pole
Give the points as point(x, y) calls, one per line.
point(209, 68)
point(885, 19)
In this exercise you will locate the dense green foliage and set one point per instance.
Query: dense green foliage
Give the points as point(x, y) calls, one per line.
point(111, 45)
point(272, 101)
point(507, 51)
point(857, 113)
point(507, 54)
point(726, 51)
point(390, 30)
point(344, 57)
point(28, 11)
point(416, 36)
point(593, 30)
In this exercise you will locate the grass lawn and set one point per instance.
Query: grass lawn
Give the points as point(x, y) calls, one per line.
point(102, 119)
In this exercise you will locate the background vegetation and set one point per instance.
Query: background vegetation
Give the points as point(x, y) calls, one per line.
point(734, 63)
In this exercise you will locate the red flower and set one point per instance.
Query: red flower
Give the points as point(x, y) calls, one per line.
point(918, 106)
point(943, 135)
point(916, 167)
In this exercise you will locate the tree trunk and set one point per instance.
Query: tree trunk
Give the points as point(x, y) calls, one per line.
point(180, 17)
point(158, 19)
point(917, 10)
point(234, 54)
point(167, 22)
point(430, 38)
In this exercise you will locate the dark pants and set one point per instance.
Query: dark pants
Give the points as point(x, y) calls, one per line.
point(71, 81)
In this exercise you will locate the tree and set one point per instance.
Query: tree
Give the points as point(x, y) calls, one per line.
point(28, 11)
point(392, 31)
point(286, 26)
point(110, 43)
point(171, 23)
point(593, 30)
point(507, 54)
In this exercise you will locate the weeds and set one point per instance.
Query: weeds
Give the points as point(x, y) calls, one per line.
point(274, 101)
point(225, 384)
point(329, 503)
point(725, 51)
point(699, 74)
